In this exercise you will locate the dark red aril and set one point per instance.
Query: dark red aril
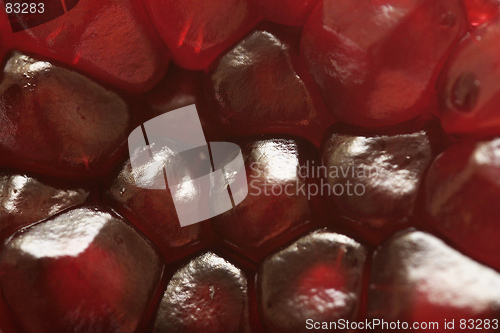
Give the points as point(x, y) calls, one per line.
point(209, 294)
point(288, 12)
point(480, 11)
point(139, 196)
point(461, 188)
point(262, 77)
point(416, 278)
point(111, 40)
point(57, 121)
point(269, 216)
point(376, 67)
point(25, 200)
point(317, 278)
point(197, 31)
point(374, 175)
point(84, 270)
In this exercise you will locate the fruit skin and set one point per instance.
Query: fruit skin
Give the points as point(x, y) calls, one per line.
point(197, 31)
point(288, 12)
point(208, 294)
point(272, 84)
point(317, 277)
point(56, 121)
point(375, 173)
point(460, 190)
point(417, 278)
point(469, 88)
point(84, 270)
point(377, 68)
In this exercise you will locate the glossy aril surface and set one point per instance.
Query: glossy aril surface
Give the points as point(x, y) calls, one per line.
point(469, 89)
point(480, 11)
point(209, 294)
point(272, 84)
point(85, 270)
point(57, 121)
point(140, 194)
point(25, 200)
point(417, 278)
point(288, 12)
point(318, 277)
point(92, 35)
point(268, 216)
point(98, 238)
point(374, 175)
point(461, 188)
point(197, 31)
point(377, 68)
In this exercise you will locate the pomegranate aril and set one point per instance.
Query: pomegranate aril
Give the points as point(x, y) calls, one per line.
point(480, 11)
point(318, 277)
point(270, 83)
point(288, 12)
point(377, 68)
point(85, 270)
point(138, 195)
point(469, 86)
point(209, 294)
point(57, 121)
point(93, 37)
point(197, 31)
point(25, 200)
point(461, 188)
point(269, 215)
point(417, 278)
point(374, 174)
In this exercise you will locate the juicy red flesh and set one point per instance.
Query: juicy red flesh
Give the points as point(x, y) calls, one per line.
point(57, 121)
point(268, 216)
point(375, 174)
point(153, 211)
point(209, 294)
point(288, 12)
point(197, 31)
point(480, 11)
point(461, 188)
point(321, 281)
point(417, 278)
point(274, 86)
point(92, 36)
point(469, 88)
point(67, 266)
point(376, 67)
point(25, 200)
point(85, 270)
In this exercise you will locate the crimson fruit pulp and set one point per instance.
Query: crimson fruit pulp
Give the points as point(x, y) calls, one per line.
point(58, 121)
point(371, 59)
point(468, 87)
point(197, 31)
point(369, 138)
point(91, 37)
point(413, 267)
point(460, 191)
